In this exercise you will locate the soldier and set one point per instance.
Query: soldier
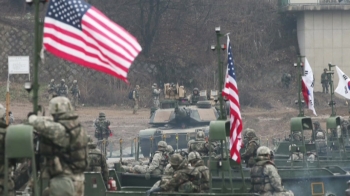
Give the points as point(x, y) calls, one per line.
point(51, 89)
point(62, 89)
point(318, 130)
point(324, 81)
point(199, 145)
point(297, 155)
point(196, 161)
point(195, 96)
point(97, 161)
point(183, 178)
point(253, 144)
point(264, 176)
point(63, 145)
point(3, 126)
point(168, 174)
point(155, 95)
point(136, 98)
point(286, 80)
point(169, 150)
point(321, 143)
point(102, 132)
point(74, 90)
point(311, 156)
point(159, 162)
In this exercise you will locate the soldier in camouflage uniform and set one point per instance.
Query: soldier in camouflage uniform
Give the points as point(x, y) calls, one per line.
point(168, 174)
point(74, 90)
point(196, 161)
point(199, 145)
point(63, 145)
point(253, 144)
point(97, 161)
point(155, 95)
point(297, 155)
point(159, 162)
point(136, 98)
point(62, 89)
point(169, 150)
point(325, 81)
point(286, 80)
point(195, 96)
point(51, 89)
point(264, 176)
point(317, 128)
point(3, 126)
point(184, 179)
point(102, 131)
point(311, 156)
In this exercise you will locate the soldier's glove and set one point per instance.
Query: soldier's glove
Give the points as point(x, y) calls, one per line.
point(147, 176)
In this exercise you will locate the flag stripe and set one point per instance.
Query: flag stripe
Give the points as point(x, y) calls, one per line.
point(78, 32)
point(231, 92)
point(69, 39)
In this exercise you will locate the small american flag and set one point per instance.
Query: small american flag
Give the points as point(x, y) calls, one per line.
point(78, 32)
point(231, 92)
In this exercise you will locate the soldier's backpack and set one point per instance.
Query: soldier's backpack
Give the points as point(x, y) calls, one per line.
point(130, 94)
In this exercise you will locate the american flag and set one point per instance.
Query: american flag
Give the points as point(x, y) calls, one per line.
point(231, 92)
point(78, 32)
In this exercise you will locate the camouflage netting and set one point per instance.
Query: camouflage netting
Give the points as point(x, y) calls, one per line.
point(17, 39)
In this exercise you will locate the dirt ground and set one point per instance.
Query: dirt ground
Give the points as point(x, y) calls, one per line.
point(268, 123)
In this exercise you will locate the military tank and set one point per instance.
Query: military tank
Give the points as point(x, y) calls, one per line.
point(177, 119)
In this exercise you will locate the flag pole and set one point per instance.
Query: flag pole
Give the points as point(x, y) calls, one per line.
point(299, 66)
point(330, 73)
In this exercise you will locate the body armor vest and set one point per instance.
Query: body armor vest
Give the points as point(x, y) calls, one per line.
point(258, 179)
point(200, 147)
point(164, 160)
point(75, 156)
point(62, 89)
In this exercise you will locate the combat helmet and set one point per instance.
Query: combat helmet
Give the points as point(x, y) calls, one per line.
point(250, 133)
point(101, 114)
point(162, 145)
point(263, 151)
point(91, 143)
point(175, 160)
point(75, 81)
point(194, 156)
point(200, 135)
point(169, 149)
point(60, 105)
point(317, 123)
point(52, 80)
point(137, 87)
point(63, 80)
point(195, 89)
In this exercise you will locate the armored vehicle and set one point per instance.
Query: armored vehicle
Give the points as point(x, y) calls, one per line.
point(177, 120)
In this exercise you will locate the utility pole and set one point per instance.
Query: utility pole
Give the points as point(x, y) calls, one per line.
point(330, 74)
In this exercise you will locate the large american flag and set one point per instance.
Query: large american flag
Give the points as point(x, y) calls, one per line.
point(231, 92)
point(78, 32)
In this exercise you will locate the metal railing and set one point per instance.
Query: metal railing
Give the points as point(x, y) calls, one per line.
point(284, 3)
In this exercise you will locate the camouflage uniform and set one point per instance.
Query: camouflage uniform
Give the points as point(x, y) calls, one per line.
point(101, 124)
point(199, 145)
point(253, 144)
point(51, 89)
point(97, 161)
point(286, 80)
point(74, 90)
point(63, 145)
point(311, 156)
point(318, 129)
point(297, 155)
point(62, 89)
point(155, 95)
point(195, 96)
point(196, 161)
point(136, 98)
point(3, 126)
point(324, 81)
point(264, 176)
point(184, 179)
point(168, 174)
point(159, 162)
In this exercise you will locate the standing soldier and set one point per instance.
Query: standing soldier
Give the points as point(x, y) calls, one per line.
point(286, 80)
point(3, 126)
point(136, 98)
point(62, 89)
point(97, 161)
point(199, 145)
point(195, 96)
point(102, 131)
point(253, 144)
point(324, 81)
point(74, 90)
point(264, 176)
point(318, 130)
point(63, 144)
point(155, 95)
point(51, 89)
point(196, 161)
